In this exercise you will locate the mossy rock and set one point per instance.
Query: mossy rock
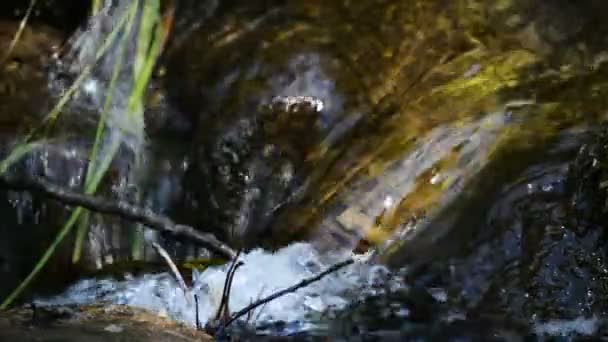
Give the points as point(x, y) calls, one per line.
point(589, 178)
point(400, 69)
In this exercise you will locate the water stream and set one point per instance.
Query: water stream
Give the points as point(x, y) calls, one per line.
point(471, 213)
point(476, 286)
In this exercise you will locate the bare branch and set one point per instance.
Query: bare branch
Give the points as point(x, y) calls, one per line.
point(197, 318)
point(291, 289)
point(178, 276)
point(223, 311)
point(119, 208)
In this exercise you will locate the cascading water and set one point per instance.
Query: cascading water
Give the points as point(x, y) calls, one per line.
point(446, 159)
point(104, 52)
point(300, 310)
point(315, 307)
point(84, 52)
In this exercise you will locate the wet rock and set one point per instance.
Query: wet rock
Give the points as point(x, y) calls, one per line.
point(529, 252)
point(92, 323)
point(249, 54)
point(388, 74)
point(588, 174)
point(25, 228)
point(31, 221)
point(23, 74)
point(527, 262)
point(261, 121)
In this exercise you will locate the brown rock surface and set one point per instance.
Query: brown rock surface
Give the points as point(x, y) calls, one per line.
point(94, 324)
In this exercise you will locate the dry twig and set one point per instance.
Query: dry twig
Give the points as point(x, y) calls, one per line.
point(119, 208)
point(178, 276)
point(196, 314)
point(223, 311)
point(291, 289)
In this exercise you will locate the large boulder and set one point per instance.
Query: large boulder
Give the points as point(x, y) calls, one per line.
point(394, 78)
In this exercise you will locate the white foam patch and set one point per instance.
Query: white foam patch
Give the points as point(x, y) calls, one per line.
point(262, 274)
point(580, 326)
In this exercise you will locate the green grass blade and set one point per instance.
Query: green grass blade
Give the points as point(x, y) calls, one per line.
point(97, 175)
point(96, 178)
point(149, 44)
point(96, 6)
point(84, 221)
point(65, 230)
point(56, 110)
point(81, 233)
point(17, 153)
point(19, 32)
point(137, 244)
point(110, 91)
point(43, 260)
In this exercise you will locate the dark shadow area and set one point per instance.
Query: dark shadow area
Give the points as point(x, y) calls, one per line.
point(65, 15)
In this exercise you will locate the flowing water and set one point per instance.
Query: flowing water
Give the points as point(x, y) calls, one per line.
point(478, 286)
point(482, 220)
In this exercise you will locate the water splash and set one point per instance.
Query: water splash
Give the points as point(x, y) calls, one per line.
point(579, 326)
point(83, 53)
point(107, 75)
point(161, 294)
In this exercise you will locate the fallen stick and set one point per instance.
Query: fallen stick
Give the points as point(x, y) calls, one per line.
point(199, 327)
point(178, 276)
point(119, 208)
point(291, 289)
point(223, 311)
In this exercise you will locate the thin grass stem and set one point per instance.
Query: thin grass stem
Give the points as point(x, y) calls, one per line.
point(19, 32)
point(83, 224)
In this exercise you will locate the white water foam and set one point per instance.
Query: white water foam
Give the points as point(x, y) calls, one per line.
point(262, 274)
point(579, 326)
